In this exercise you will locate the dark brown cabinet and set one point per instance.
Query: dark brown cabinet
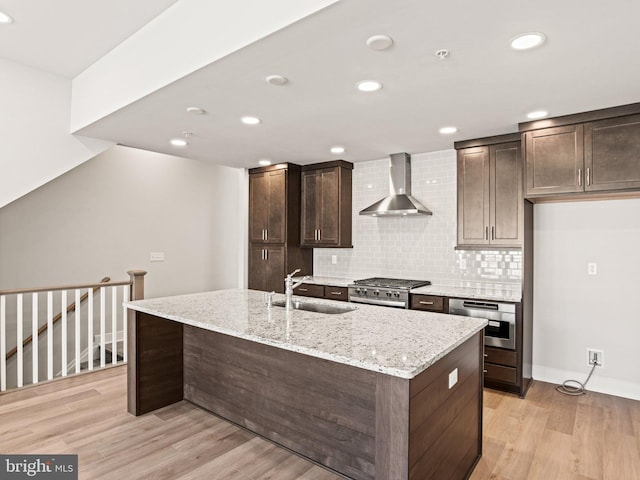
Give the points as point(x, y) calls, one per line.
point(490, 200)
point(274, 227)
point(323, 291)
point(267, 206)
point(326, 205)
point(429, 303)
point(582, 154)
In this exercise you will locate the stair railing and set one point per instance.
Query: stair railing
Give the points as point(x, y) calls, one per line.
point(59, 344)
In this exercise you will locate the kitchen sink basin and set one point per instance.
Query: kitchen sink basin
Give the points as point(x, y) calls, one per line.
point(317, 307)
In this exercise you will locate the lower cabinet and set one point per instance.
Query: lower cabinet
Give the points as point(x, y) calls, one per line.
point(430, 303)
point(323, 291)
point(500, 365)
point(267, 267)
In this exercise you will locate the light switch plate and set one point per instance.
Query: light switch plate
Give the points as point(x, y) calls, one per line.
point(156, 256)
point(453, 377)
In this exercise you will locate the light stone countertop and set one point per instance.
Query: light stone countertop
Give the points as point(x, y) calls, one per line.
point(489, 291)
point(503, 293)
point(393, 341)
point(330, 281)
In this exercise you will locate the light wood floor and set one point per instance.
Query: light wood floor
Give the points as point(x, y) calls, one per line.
point(547, 436)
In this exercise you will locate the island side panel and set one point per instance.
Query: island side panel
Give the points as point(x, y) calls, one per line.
point(155, 368)
point(445, 425)
point(392, 428)
point(320, 409)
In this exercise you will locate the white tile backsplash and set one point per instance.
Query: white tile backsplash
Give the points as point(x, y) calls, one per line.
point(414, 247)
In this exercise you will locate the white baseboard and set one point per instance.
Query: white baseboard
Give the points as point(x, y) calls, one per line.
point(597, 383)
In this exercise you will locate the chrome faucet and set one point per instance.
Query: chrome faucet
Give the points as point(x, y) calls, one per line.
point(289, 286)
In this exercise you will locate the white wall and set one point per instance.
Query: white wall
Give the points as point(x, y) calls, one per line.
point(574, 311)
point(189, 35)
point(34, 120)
point(105, 216)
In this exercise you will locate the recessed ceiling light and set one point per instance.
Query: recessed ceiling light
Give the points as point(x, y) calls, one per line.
point(528, 40)
point(196, 110)
point(277, 80)
point(250, 120)
point(178, 142)
point(264, 162)
point(537, 114)
point(4, 18)
point(337, 149)
point(448, 130)
point(369, 86)
point(379, 42)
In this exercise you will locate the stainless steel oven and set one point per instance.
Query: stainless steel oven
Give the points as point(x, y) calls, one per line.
point(501, 331)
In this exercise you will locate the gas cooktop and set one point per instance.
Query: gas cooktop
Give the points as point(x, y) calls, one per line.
point(382, 282)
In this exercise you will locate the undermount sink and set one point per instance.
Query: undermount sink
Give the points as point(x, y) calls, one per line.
point(316, 307)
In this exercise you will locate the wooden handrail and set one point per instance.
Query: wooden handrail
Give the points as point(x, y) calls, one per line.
point(105, 282)
point(70, 308)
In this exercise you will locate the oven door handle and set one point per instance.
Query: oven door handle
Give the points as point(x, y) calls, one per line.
point(370, 301)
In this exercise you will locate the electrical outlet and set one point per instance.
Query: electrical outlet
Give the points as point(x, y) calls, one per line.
point(595, 357)
point(453, 378)
point(334, 259)
point(592, 268)
point(156, 256)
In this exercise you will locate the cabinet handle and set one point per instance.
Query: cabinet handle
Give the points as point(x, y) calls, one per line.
point(484, 371)
point(335, 293)
point(319, 234)
point(579, 177)
point(485, 355)
point(266, 254)
point(493, 232)
point(588, 176)
point(303, 289)
point(266, 234)
point(486, 232)
point(422, 302)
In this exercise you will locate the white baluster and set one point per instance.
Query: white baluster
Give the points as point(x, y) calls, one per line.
point(114, 325)
point(19, 340)
point(90, 328)
point(34, 337)
point(49, 335)
point(64, 333)
point(102, 325)
point(125, 298)
point(3, 344)
point(77, 343)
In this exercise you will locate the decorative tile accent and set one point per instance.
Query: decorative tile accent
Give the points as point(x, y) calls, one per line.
point(415, 247)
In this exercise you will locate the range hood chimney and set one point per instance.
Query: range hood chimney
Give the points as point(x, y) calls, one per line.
point(399, 202)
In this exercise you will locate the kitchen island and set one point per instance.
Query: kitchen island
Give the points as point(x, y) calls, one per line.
point(372, 393)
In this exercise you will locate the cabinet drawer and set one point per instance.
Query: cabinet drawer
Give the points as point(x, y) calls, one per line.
point(499, 373)
point(336, 293)
point(430, 303)
point(500, 356)
point(310, 290)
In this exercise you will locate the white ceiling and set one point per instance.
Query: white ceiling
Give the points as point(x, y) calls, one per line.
point(66, 36)
point(590, 61)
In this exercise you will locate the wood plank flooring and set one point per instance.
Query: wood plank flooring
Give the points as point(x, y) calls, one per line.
point(547, 436)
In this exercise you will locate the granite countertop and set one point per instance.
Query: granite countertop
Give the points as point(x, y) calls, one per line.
point(489, 291)
point(396, 342)
point(330, 281)
point(504, 293)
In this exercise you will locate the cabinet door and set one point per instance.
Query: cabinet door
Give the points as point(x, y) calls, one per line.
point(277, 202)
point(554, 160)
point(612, 154)
point(275, 269)
point(310, 195)
point(506, 202)
point(257, 267)
point(328, 207)
point(266, 268)
point(473, 196)
point(258, 206)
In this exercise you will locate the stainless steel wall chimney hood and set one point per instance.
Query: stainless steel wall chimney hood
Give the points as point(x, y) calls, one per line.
point(399, 202)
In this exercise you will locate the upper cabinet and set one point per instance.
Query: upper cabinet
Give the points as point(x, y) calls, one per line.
point(267, 206)
point(490, 201)
point(589, 152)
point(326, 205)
